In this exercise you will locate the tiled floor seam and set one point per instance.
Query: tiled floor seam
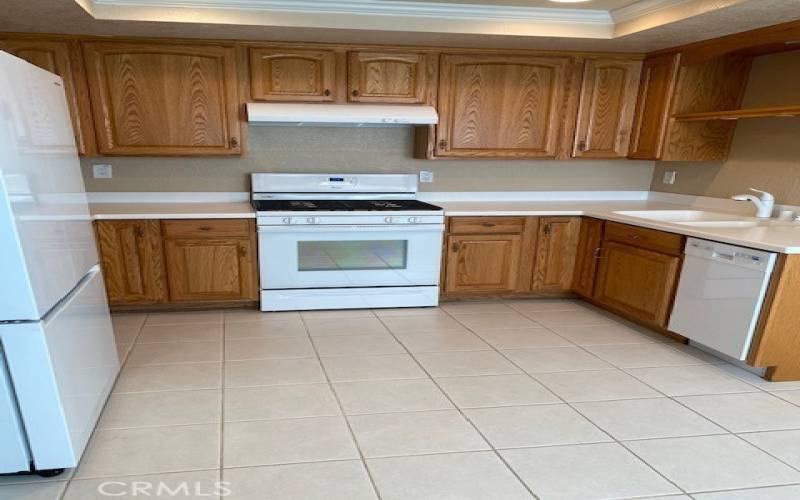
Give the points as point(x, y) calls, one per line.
point(757, 488)
point(461, 411)
point(341, 409)
point(579, 412)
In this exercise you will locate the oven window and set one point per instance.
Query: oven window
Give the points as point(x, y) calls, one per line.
point(352, 255)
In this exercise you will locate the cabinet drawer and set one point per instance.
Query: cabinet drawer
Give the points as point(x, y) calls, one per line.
point(206, 228)
point(486, 225)
point(650, 239)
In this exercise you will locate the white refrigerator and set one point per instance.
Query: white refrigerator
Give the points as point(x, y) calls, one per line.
point(58, 357)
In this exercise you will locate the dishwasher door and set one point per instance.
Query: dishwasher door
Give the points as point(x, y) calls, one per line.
point(720, 294)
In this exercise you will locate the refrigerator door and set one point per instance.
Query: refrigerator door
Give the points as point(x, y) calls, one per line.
point(14, 456)
point(62, 369)
point(46, 239)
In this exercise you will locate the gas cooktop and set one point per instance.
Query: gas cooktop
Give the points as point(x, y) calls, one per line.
point(341, 205)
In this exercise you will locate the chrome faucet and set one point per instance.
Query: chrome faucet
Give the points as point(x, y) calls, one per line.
point(764, 203)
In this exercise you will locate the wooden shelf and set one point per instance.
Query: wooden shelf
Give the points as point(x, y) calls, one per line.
point(735, 114)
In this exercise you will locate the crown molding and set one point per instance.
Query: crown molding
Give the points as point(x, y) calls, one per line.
point(643, 8)
point(378, 8)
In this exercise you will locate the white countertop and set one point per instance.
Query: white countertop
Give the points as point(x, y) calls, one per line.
point(776, 238)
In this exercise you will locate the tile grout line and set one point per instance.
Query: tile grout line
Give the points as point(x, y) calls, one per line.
point(341, 409)
point(460, 411)
point(221, 471)
point(572, 406)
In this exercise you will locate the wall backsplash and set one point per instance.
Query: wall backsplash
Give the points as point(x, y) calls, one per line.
point(765, 152)
point(339, 149)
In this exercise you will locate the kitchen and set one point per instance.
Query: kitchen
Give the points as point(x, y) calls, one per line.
point(431, 260)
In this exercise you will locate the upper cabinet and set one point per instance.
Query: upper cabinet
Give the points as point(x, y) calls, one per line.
point(61, 57)
point(164, 99)
point(390, 77)
point(291, 74)
point(652, 107)
point(605, 112)
point(502, 106)
point(671, 90)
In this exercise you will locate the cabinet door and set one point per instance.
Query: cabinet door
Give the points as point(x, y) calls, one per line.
point(393, 77)
point(164, 99)
point(482, 263)
point(132, 261)
point(605, 112)
point(501, 106)
point(62, 58)
point(281, 74)
point(653, 106)
point(210, 269)
point(589, 242)
point(556, 247)
point(637, 282)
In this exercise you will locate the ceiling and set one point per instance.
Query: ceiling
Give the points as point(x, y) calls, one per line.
point(608, 25)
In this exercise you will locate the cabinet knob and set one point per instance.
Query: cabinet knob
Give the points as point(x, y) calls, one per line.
point(582, 146)
point(326, 92)
point(548, 228)
point(488, 224)
point(443, 144)
point(204, 228)
point(234, 142)
point(242, 252)
point(354, 92)
point(454, 247)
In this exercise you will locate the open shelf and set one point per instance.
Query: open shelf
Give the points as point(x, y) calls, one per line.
point(735, 114)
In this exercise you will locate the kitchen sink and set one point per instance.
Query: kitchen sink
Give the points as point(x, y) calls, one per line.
point(677, 215)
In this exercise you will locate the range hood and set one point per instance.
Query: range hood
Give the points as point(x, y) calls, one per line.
point(348, 115)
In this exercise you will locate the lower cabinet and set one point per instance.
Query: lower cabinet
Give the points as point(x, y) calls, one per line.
point(482, 263)
point(589, 243)
point(210, 262)
point(181, 262)
point(132, 261)
point(638, 277)
point(505, 255)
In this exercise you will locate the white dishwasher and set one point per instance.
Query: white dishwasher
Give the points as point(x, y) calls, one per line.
point(720, 294)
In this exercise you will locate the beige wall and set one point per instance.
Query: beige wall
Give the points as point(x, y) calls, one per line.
point(765, 152)
point(326, 149)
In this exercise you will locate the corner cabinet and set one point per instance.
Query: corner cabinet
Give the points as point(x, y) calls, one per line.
point(502, 106)
point(589, 248)
point(390, 77)
point(556, 248)
point(605, 110)
point(61, 57)
point(292, 74)
point(132, 259)
point(164, 99)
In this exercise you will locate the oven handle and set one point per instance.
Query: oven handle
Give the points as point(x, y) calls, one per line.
point(407, 228)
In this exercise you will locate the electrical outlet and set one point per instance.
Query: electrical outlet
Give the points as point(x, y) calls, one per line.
point(669, 177)
point(425, 176)
point(101, 171)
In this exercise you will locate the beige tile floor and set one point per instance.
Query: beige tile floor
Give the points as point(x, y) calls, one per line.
point(548, 399)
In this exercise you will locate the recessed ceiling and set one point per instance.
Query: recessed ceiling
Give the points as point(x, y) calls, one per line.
point(603, 25)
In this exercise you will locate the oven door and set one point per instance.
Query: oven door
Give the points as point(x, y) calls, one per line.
point(349, 256)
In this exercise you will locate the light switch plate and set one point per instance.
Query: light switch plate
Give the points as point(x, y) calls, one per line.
point(669, 177)
point(102, 171)
point(425, 176)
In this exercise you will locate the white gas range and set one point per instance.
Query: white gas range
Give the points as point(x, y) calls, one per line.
point(331, 241)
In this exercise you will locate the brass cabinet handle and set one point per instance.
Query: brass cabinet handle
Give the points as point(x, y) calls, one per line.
point(234, 142)
point(443, 144)
point(204, 228)
point(355, 92)
point(582, 146)
point(326, 92)
point(635, 236)
point(488, 224)
point(548, 228)
point(455, 247)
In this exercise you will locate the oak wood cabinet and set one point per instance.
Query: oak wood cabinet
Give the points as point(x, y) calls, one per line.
point(293, 74)
point(482, 263)
point(390, 77)
point(653, 105)
point(605, 110)
point(589, 243)
point(556, 248)
point(502, 106)
point(132, 260)
point(63, 58)
point(210, 260)
point(164, 99)
point(638, 272)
